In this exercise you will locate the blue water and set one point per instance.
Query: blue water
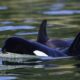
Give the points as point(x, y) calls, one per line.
point(5, 28)
point(3, 7)
point(57, 6)
point(6, 22)
point(61, 12)
point(26, 33)
point(7, 78)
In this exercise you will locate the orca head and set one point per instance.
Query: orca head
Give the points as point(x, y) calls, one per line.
point(18, 45)
point(21, 46)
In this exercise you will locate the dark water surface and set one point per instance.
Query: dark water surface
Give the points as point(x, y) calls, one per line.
point(22, 18)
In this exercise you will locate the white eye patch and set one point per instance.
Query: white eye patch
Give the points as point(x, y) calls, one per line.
point(40, 53)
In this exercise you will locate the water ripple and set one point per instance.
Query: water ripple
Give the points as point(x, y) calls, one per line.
point(3, 7)
point(6, 22)
point(26, 33)
point(57, 6)
point(7, 77)
point(4, 28)
point(62, 12)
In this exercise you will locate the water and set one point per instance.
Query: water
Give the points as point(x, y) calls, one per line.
point(22, 19)
point(5, 28)
point(3, 7)
point(62, 12)
point(7, 78)
point(6, 22)
point(26, 33)
point(42, 71)
point(57, 6)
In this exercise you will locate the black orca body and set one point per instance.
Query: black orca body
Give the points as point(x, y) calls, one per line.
point(21, 46)
point(53, 43)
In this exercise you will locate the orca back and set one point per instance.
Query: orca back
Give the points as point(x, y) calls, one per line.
point(53, 43)
point(21, 46)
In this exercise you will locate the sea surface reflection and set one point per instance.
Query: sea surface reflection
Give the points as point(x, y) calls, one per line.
point(5, 28)
point(7, 78)
point(51, 69)
point(62, 12)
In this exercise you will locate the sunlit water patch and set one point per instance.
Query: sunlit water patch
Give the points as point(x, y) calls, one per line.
point(6, 22)
point(29, 20)
point(3, 7)
point(7, 78)
point(57, 6)
point(4, 28)
point(62, 12)
point(26, 33)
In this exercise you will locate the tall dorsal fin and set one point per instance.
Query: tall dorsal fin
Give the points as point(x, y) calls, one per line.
point(42, 34)
point(74, 49)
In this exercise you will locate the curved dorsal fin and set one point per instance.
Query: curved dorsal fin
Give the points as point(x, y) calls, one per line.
point(42, 34)
point(74, 49)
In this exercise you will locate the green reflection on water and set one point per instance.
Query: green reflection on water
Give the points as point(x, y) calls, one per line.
point(65, 70)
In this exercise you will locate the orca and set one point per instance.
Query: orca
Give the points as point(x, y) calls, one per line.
point(22, 46)
point(53, 43)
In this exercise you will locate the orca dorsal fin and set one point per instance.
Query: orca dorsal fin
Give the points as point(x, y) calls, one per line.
point(42, 34)
point(74, 49)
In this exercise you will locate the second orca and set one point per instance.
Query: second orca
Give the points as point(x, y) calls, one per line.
point(53, 43)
